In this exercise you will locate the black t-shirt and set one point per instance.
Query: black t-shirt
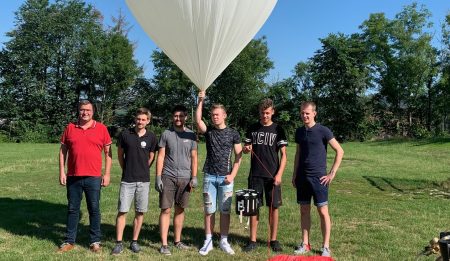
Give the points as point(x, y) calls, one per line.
point(136, 152)
point(219, 149)
point(266, 142)
point(313, 149)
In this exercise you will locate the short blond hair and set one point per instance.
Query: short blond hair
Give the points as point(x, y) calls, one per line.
point(308, 103)
point(218, 106)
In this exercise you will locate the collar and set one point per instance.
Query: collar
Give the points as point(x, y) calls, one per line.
point(77, 125)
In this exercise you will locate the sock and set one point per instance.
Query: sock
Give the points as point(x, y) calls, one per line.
point(208, 237)
point(119, 241)
point(224, 238)
point(133, 241)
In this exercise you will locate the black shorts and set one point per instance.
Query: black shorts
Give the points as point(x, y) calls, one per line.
point(265, 186)
point(309, 187)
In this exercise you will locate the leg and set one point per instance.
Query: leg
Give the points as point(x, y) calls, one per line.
point(137, 224)
point(225, 196)
point(209, 201)
point(253, 227)
point(305, 213)
point(74, 196)
point(178, 220)
point(325, 224)
point(273, 221)
point(209, 222)
point(141, 206)
point(92, 186)
point(120, 225)
point(164, 222)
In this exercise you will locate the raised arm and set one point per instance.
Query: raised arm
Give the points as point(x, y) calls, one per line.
point(201, 126)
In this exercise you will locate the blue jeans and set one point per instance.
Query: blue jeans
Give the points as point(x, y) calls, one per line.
point(216, 190)
point(91, 187)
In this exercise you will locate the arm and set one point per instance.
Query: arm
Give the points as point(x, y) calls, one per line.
point(337, 162)
point(296, 164)
point(108, 162)
point(62, 163)
point(194, 163)
point(160, 161)
point(282, 166)
point(198, 113)
point(151, 158)
point(120, 157)
point(194, 157)
point(159, 169)
point(236, 164)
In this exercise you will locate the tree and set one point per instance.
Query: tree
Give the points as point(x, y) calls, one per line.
point(404, 63)
point(340, 72)
point(57, 54)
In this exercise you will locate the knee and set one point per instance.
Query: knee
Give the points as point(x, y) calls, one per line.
point(165, 211)
point(305, 209)
point(226, 202)
point(207, 201)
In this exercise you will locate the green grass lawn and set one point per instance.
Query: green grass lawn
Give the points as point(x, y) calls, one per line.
point(385, 203)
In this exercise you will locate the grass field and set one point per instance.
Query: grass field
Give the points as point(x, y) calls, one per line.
point(386, 202)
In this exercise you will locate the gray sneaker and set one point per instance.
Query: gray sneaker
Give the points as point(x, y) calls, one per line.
point(326, 251)
point(118, 248)
point(165, 250)
point(302, 249)
point(134, 246)
point(180, 245)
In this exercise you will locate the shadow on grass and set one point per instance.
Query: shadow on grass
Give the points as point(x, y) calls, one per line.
point(399, 185)
point(47, 221)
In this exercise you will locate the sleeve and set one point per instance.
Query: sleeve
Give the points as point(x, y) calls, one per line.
point(327, 134)
point(64, 135)
point(154, 141)
point(162, 140)
point(193, 142)
point(297, 135)
point(120, 140)
point(281, 137)
point(236, 137)
point(106, 137)
point(248, 136)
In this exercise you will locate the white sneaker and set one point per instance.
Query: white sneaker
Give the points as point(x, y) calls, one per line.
point(207, 246)
point(225, 246)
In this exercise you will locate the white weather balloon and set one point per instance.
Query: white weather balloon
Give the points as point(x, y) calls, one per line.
point(202, 37)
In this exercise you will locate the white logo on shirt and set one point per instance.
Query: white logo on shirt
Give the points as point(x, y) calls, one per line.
point(143, 144)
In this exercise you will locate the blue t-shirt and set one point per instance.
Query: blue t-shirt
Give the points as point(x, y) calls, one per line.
point(313, 149)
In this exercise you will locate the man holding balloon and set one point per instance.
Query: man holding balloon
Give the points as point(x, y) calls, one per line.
point(219, 172)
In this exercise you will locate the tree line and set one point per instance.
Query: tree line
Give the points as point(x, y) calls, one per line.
point(386, 80)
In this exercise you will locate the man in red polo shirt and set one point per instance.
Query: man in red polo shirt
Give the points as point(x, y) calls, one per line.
point(81, 147)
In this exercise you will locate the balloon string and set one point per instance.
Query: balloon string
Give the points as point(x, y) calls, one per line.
point(271, 204)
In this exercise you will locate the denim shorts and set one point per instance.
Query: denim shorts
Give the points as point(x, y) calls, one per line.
point(133, 190)
point(216, 191)
point(309, 187)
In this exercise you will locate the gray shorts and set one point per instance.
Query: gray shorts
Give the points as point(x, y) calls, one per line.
point(175, 190)
point(134, 190)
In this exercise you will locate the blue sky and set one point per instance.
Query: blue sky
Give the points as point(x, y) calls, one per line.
point(293, 30)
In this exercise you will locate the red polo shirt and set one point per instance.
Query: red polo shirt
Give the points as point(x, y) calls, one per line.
point(85, 148)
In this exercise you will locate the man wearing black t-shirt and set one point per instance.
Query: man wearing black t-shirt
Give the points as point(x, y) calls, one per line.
point(219, 173)
point(136, 151)
point(310, 177)
point(266, 140)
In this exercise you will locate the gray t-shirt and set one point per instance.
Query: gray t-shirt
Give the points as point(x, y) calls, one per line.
point(178, 145)
point(219, 148)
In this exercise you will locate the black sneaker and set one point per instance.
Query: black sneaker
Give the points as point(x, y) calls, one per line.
point(134, 246)
point(251, 245)
point(118, 248)
point(275, 245)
